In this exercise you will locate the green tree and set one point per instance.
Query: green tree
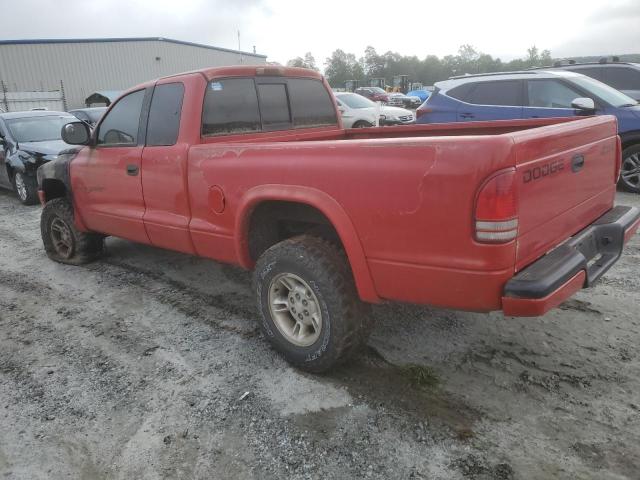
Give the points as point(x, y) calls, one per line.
point(340, 67)
point(307, 62)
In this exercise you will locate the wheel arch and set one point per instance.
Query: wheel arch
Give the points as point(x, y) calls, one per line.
point(326, 205)
point(629, 139)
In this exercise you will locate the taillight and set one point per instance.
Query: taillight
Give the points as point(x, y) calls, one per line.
point(496, 215)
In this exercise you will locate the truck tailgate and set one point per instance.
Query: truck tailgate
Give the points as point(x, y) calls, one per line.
point(567, 179)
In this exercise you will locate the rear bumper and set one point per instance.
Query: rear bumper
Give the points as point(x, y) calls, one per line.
point(577, 263)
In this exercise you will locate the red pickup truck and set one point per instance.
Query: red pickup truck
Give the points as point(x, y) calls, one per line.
point(251, 166)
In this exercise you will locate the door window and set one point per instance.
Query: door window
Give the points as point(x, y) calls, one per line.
point(120, 126)
point(549, 93)
point(623, 78)
point(503, 93)
point(164, 114)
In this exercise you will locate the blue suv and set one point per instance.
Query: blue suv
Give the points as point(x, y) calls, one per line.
point(538, 94)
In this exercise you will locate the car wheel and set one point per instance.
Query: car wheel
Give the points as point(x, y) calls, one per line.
point(310, 310)
point(26, 188)
point(361, 124)
point(630, 171)
point(62, 241)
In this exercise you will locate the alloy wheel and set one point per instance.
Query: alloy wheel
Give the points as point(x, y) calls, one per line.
point(295, 310)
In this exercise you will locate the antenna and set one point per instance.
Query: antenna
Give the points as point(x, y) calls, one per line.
point(239, 49)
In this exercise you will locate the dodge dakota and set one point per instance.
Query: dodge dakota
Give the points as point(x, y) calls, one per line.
point(251, 166)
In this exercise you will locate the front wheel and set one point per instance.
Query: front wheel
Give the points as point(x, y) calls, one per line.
point(309, 306)
point(361, 124)
point(26, 188)
point(630, 171)
point(63, 242)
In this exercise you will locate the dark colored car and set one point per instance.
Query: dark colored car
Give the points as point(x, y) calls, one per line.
point(90, 116)
point(622, 76)
point(375, 94)
point(538, 94)
point(27, 140)
point(405, 101)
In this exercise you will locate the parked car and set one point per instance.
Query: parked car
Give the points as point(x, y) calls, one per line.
point(89, 115)
point(263, 175)
point(375, 94)
point(358, 111)
point(537, 94)
point(421, 94)
point(623, 76)
point(402, 100)
point(28, 140)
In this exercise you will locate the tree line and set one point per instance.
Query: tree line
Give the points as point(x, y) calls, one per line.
point(342, 66)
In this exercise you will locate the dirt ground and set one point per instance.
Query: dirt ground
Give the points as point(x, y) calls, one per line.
point(148, 365)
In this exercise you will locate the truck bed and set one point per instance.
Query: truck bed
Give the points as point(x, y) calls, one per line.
point(410, 192)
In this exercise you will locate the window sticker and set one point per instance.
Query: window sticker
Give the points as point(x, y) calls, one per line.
point(217, 86)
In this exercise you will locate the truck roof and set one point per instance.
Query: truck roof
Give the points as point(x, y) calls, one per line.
point(253, 70)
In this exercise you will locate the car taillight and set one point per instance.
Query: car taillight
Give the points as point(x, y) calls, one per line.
point(496, 213)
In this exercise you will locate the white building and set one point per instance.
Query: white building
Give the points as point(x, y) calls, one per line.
point(67, 71)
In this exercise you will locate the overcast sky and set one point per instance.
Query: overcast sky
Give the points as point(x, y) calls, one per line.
point(285, 29)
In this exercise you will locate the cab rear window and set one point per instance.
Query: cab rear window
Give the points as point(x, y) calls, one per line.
point(246, 105)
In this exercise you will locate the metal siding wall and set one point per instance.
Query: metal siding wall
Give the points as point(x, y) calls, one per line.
point(87, 67)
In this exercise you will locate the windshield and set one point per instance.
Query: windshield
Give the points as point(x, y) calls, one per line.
point(356, 101)
point(610, 95)
point(377, 90)
point(37, 129)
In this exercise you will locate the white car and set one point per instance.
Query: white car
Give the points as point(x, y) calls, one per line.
point(358, 111)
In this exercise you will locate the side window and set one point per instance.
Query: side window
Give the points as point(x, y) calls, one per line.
point(164, 114)
point(311, 104)
point(623, 78)
point(550, 94)
point(461, 92)
point(120, 126)
point(503, 93)
point(230, 106)
point(274, 105)
point(597, 73)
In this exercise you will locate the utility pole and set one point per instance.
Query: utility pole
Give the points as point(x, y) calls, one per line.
point(239, 49)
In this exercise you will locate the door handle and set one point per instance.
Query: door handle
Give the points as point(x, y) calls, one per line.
point(133, 170)
point(467, 115)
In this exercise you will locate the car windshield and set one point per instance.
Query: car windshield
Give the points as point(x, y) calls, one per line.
point(37, 129)
point(610, 95)
point(377, 90)
point(356, 101)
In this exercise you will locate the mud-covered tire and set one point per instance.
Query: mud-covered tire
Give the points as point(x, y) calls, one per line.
point(322, 267)
point(57, 228)
point(26, 188)
point(361, 124)
point(630, 171)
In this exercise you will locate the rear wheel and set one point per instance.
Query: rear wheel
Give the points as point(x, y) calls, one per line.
point(630, 171)
point(63, 242)
point(26, 188)
point(308, 302)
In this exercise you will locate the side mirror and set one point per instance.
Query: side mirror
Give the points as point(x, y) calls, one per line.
point(341, 110)
point(76, 133)
point(583, 104)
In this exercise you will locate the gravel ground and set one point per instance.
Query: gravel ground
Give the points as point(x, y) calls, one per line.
point(148, 364)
